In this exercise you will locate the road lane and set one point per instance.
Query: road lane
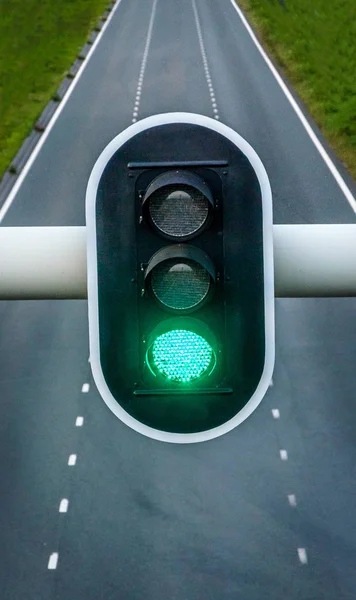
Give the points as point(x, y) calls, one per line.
point(44, 345)
point(175, 79)
point(40, 393)
point(149, 520)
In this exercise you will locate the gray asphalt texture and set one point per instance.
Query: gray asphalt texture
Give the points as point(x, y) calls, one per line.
point(154, 521)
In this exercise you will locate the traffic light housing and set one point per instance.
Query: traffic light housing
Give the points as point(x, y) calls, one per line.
point(180, 277)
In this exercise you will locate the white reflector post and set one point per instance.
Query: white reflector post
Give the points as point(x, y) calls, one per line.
point(50, 262)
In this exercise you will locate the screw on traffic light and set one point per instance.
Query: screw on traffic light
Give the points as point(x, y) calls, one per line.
point(180, 277)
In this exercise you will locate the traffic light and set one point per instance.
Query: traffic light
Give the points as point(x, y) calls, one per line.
point(180, 277)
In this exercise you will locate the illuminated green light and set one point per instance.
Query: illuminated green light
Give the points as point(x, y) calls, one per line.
point(181, 355)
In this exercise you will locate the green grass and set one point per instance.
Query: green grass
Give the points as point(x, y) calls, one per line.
point(39, 41)
point(314, 41)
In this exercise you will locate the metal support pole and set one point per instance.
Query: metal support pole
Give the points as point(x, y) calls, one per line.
point(314, 260)
point(42, 262)
point(50, 262)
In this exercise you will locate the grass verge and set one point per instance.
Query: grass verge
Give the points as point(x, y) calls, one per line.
point(315, 44)
point(39, 41)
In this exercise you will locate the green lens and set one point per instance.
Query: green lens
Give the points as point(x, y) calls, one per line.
point(181, 355)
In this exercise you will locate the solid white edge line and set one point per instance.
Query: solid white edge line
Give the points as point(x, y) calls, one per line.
point(93, 304)
point(9, 200)
point(329, 163)
point(53, 560)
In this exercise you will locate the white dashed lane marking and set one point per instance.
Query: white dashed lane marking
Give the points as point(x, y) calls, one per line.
point(292, 499)
point(72, 460)
point(53, 560)
point(303, 557)
point(63, 507)
point(283, 454)
point(271, 383)
point(144, 62)
point(79, 421)
point(85, 388)
point(205, 62)
point(275, 413)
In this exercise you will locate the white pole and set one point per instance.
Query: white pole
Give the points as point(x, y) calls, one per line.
point(314, 260)
point(50, 262)
point(42, 262)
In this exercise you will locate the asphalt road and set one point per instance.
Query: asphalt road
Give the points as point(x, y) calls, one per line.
point(148, 520)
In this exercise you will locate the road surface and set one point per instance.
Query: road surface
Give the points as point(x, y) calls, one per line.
point(267, 511)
